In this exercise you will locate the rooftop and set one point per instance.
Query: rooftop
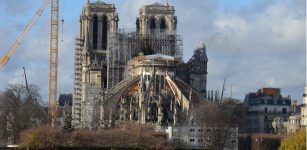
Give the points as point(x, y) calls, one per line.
point(65, 98)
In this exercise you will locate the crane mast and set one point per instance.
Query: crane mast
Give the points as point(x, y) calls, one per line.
point(53, 64)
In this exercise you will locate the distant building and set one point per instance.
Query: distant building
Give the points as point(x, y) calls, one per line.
point(295, 120)
point(194, 136)
point(263, 106)
point(293, 124)
point(64, 108)
point(295, 108)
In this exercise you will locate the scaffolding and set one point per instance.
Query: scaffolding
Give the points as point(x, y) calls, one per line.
point(78, 81)
point(126, 44)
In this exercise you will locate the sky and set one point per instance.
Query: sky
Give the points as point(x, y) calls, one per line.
point(251, 43)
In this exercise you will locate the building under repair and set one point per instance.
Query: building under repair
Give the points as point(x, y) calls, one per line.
point(134, 75)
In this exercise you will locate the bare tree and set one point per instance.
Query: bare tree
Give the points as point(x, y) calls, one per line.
point(130, 135)
point(2, 120)
point(222, 120)
point(20, 109)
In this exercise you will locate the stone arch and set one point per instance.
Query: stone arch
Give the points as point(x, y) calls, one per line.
point(95, 31)
point(110, 105)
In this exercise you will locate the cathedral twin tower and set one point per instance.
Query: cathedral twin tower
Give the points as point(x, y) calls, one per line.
point(103, 51)
point(98, 19)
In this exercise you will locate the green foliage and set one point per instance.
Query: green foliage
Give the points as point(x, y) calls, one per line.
point(295, 141)
point(68, 124)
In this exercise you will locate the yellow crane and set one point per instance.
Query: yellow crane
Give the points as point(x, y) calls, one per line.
point(53, 63)
point(23, 34)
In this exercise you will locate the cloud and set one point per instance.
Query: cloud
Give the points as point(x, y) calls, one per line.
point(252, 44)
point(34, 55)
point(252, 48)
point(129, 10)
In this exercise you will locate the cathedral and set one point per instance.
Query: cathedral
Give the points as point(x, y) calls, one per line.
point(135, 75)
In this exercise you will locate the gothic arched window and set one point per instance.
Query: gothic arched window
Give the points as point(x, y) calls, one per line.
point(163, 25)
point(104, 32)
point(95, 31)
point(152, 24)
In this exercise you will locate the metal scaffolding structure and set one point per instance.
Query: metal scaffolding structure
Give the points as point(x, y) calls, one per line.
point(126, 44)
point(78, 80)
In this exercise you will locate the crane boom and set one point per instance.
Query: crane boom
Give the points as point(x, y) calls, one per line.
point(53, 64)
point(23, 34)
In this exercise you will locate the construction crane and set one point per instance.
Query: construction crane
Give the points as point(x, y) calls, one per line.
point(23, 34)
point(53, 64)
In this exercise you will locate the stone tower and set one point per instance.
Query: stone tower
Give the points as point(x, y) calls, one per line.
point(198, 70)
point(97, 21)
point(304, 108)
point(156, 17)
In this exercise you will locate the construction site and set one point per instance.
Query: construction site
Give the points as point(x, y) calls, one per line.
point(125, 74)
point(135, 87)
point(134, 74)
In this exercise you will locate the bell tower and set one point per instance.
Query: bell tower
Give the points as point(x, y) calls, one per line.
point(156, 18)
point(97, 21)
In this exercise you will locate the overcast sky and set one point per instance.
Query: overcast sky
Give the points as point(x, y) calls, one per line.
point(251, 43)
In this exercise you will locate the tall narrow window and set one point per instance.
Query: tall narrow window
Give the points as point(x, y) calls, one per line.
point(137, 24)
point(265, 110)
point(284, 110)
point(104, 32)
point(95, 31)
point(152, 24)
point(162, 25)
